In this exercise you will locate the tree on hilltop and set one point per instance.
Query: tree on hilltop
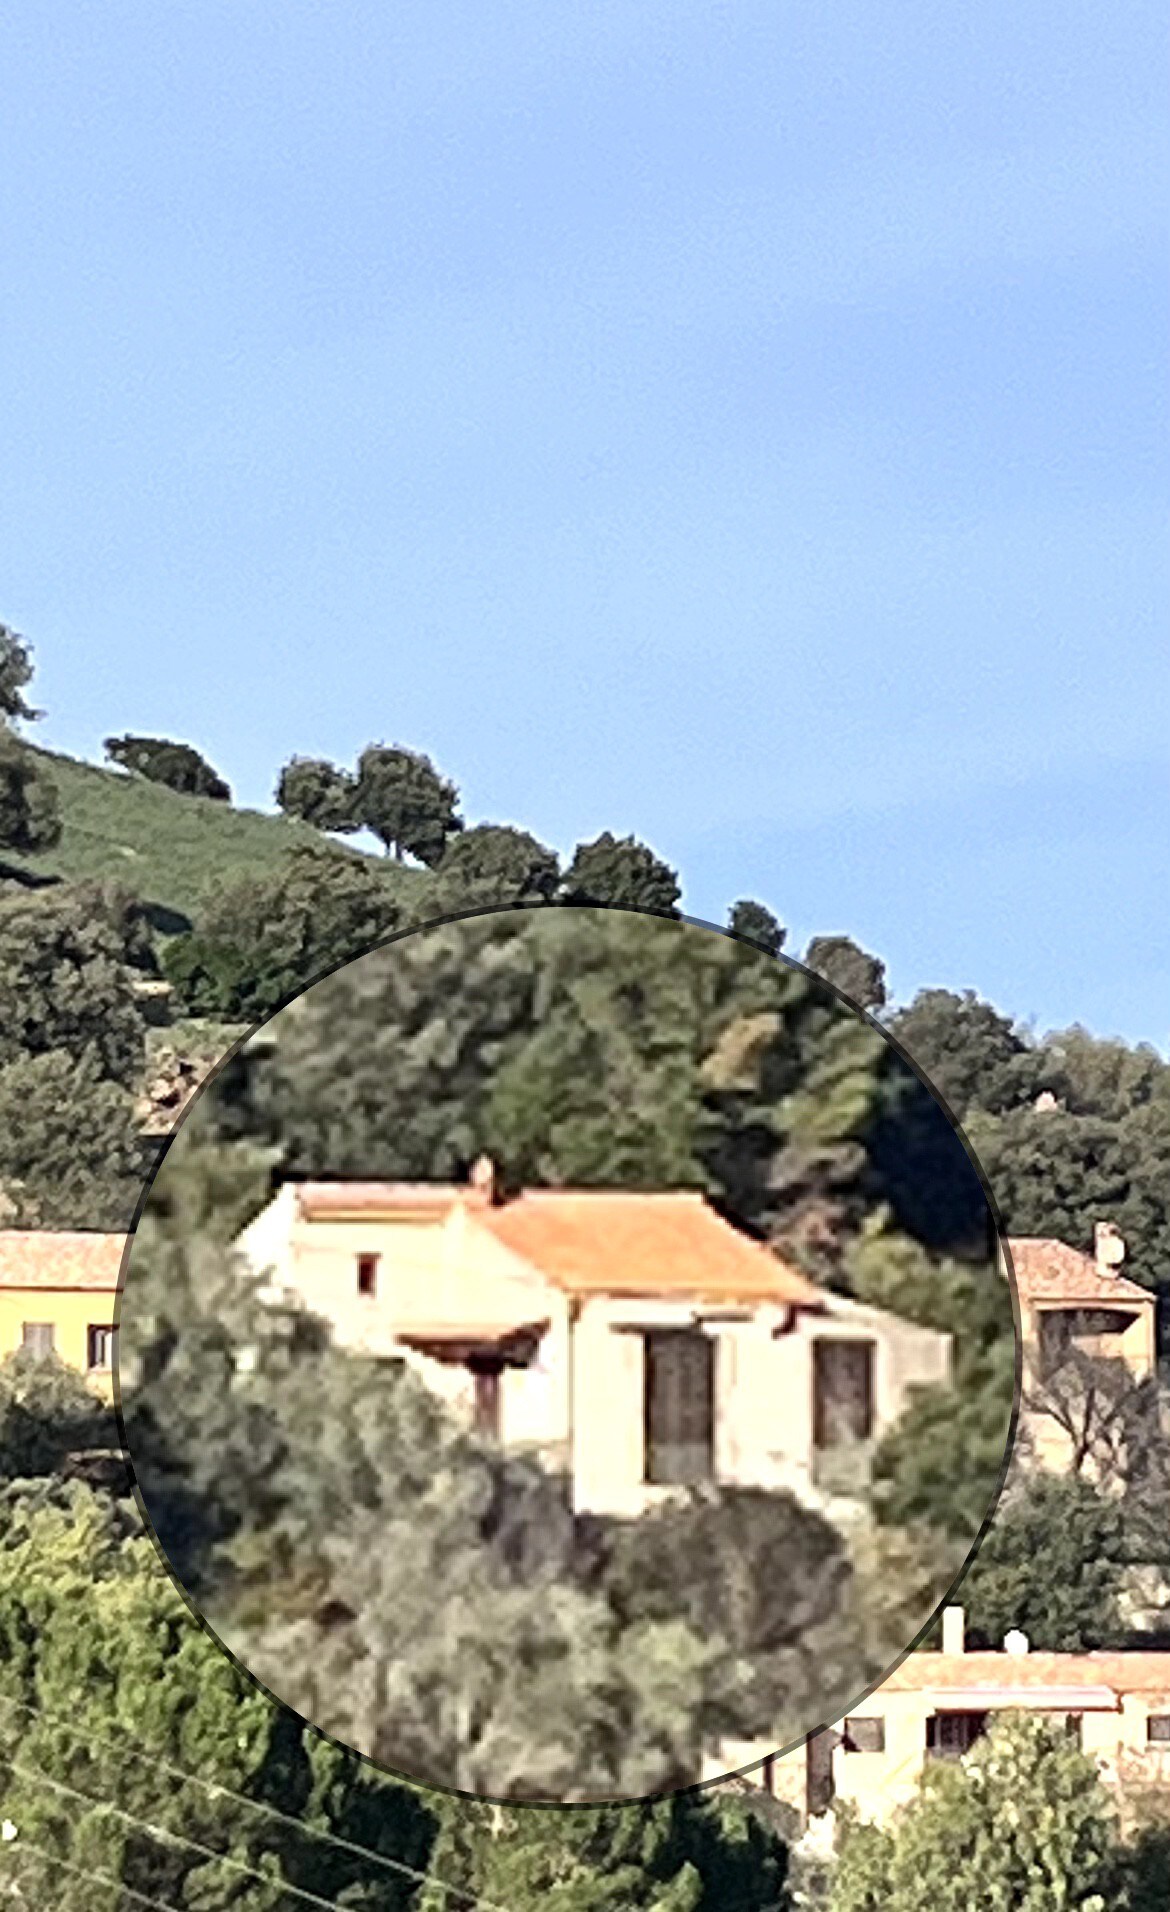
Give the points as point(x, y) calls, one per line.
point(317, 792)
point(160, 760)
point(30, 819)
point(492, 863)
point(15, 672)
point(756, 924)
point(408, 805)
point(848, 968)
point(623, 872)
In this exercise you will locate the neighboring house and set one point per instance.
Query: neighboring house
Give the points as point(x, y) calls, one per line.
point(58, 1290)
point(1076, 1303)
point(637, 1340)
point(936, 1705)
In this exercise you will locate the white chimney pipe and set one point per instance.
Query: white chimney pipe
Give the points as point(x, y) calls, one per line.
point(954, 1631)
point(1108, 1248)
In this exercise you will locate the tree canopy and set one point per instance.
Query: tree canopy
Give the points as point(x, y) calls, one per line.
point(622, 872)
point(161, 760)
point(256, 942)
point(30, 816)
point(1022, 1822)
point(404, 800)
point(492, 863)
point(858, 975)
point(319, 793)
point(16, 670)
point(756, 923)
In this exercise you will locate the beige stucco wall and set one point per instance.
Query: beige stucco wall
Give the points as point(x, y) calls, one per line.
point(588, 1373)
point(1048, 1444)
point(876, 1784)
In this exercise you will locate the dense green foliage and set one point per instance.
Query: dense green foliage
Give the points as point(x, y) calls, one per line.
point(492, 864)
point(319, 793)
point(160, 760)
point(856, 974)
point(260, 941)
point(30, 811)
point(135, 1758)
point(16, 671)
point(1023, 1822)
point(66, 979)
point(30, 816)
point(405, 802)
point(1052, 1563)
point(756, 923)
point(685, 1854)
point(622, 872)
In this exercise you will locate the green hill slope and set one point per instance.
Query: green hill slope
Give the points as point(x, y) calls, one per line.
point(169, 850)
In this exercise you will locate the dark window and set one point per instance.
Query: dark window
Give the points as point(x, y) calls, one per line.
point(948, 1735)
point(39, 1337)
point(819, 1749)
point(100, 1346)
point(842, 1392)
point(367, 1274)
point(1158, 1729)
point(679, 1407)
point(865, 1735)
point(1062, 1331)
point(487, 1399)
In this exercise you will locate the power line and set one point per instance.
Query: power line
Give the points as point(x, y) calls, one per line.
point(171, 1838)
point(88, 1872)
point(215, 1786)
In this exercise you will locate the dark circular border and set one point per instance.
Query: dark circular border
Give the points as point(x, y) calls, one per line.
point(718, 1780)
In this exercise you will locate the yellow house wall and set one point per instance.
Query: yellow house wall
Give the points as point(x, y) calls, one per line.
point(72, 1312)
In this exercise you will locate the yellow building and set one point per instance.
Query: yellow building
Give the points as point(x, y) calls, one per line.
point(1116, 1706)
point(638, 1340)
point(58, 1290)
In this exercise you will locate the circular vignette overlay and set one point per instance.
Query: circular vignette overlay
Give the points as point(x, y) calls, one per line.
point(566, 1355)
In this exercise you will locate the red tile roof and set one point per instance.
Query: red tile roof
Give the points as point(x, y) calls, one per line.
point(606, 1242)
point(1048, 1270)
point(59, 1258)
point(593, 1241)
point(1136, 1672)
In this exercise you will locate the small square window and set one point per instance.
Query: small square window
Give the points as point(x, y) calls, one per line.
point(1158, 1729)
point(100, 1345)
point(865, 1735)
point(367, 1274)
point(39, 1337)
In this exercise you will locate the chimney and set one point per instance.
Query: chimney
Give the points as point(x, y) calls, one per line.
point(954, 1631)
point(1016, 1643)
point(482, 1182)
point(1108, 1248)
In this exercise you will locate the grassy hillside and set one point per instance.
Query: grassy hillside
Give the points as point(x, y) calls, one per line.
point(168, 849)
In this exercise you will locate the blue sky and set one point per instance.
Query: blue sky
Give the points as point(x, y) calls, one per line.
point(745, 426)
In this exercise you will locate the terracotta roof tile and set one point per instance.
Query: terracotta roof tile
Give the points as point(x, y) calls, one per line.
point(600, 1241)
point(1048, 1270)
point(59, 1258)
point(1136, 1672)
